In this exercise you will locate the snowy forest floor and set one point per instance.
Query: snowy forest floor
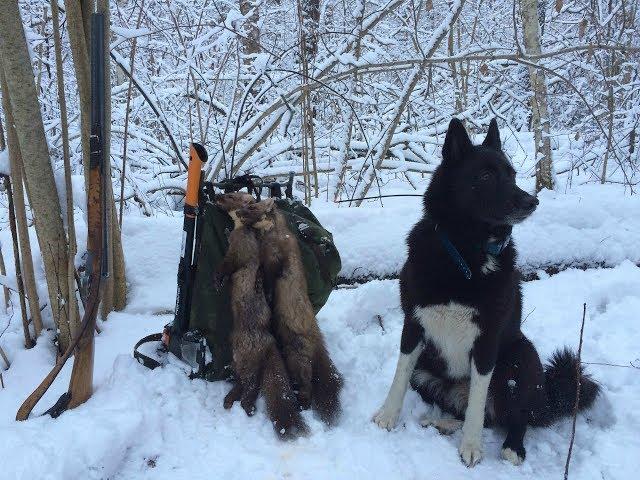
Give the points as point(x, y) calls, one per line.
point(158, 424)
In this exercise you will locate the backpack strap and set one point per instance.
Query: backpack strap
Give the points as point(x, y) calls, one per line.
point(143, 359)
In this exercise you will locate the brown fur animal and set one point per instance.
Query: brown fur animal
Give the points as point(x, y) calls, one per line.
point(230, 202)
point(315, 377)
point(256, 362)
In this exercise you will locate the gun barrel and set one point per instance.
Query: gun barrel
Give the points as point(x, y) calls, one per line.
point(97, 139)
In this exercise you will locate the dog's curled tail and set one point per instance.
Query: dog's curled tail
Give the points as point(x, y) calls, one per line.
point(326, 383)
point(281, 401)
point(561, 379)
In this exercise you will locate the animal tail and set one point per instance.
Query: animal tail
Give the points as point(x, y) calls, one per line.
point(326, 384)
point(282, 404)
point(561, 378)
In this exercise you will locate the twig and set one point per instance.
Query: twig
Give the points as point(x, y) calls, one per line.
point(28, 341)
point(7, 295)
point(605, 364)
point(4, 357)
point(379, 318)
point(1, 381)
point(575, 406)
point(126, 116)
point(377, 197)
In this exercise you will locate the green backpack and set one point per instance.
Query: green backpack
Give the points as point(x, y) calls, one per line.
point(211, 319)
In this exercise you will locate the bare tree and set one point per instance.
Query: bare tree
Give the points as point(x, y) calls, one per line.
point(353, 88)
point(28, 341)
point(308, 48)
point(539, 107)
point(20, 211)
point(3, 271)
point(43, 195)
point(74, 322)
point(250, 38)
point(309, 12)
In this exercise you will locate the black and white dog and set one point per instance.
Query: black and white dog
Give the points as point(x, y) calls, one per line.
point(461, 347)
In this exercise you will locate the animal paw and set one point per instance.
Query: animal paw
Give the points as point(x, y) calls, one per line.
point(470, 451)
point(512, 456)
point(249, 407)
point(233, 396)
point(386, 417)
point(446, 426)
point(229, 401)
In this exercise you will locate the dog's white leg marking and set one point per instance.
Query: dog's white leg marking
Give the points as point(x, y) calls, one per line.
point(387, 416)
point(512, 457)
point(471, 444)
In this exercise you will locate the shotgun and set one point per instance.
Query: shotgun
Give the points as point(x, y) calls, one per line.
point(188, 345)
point(81, 382)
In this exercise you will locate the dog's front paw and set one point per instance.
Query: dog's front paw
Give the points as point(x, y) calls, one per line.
point(513, 456)
point(470, 451)
point(386, 417)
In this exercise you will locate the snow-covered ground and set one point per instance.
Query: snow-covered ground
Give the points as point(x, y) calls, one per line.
point(158, 424)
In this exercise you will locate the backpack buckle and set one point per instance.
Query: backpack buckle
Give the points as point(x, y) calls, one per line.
point(190, 347)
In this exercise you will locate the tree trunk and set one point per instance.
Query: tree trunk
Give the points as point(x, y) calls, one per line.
point(28, 341)
point(74, 322)
point(454, 72)
point(310, 13)
point(3, 145)
point(7, 295)
point(354, 89)
point(250, 40)
point(16, 165)
point(539, 108)
point(115, 294)
point(35, 153)
point(307, 121)
point(78, 24)
point(78, 40)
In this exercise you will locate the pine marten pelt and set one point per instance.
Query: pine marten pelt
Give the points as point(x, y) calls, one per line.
point(314, 376)
point(257, 362)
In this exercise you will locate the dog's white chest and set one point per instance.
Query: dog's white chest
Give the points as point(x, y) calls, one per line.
point(452, 331)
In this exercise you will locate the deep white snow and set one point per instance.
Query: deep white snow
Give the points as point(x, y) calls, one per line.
point(158, 424)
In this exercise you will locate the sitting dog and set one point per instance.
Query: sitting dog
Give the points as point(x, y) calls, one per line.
point(462, 347)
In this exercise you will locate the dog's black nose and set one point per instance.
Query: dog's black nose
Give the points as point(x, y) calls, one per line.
point(528, 202)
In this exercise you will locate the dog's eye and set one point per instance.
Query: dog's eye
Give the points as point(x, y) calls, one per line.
point(484, 176)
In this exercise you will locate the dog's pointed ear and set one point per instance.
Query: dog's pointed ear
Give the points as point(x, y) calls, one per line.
point(493, 136)
point(456, 143)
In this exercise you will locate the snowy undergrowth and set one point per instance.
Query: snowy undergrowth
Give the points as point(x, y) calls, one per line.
point(589, 225)
point(158, 424)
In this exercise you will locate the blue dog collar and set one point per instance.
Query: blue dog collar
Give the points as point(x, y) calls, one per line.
point(492, 247)
point(454, 253)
